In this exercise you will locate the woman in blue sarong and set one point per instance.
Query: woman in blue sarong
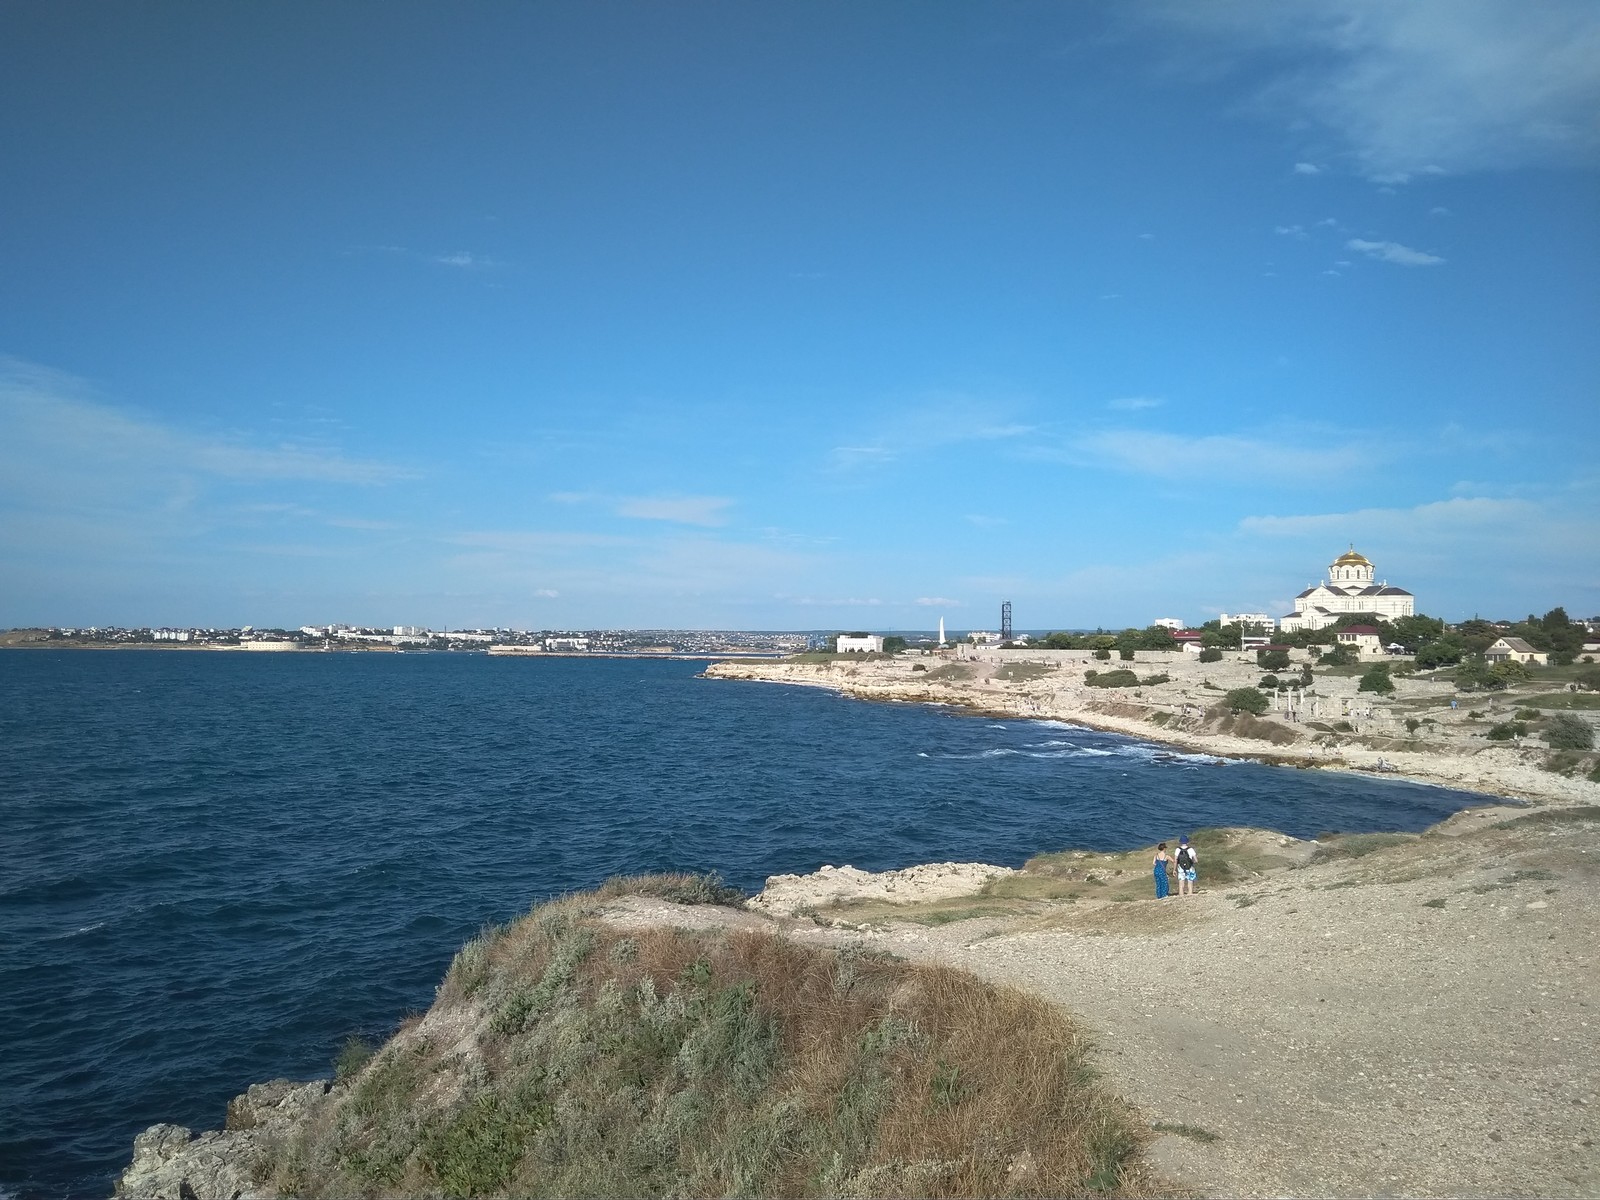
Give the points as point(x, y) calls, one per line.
point(1162, 882)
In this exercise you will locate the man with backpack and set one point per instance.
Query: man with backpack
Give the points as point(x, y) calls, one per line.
point(1186, 861)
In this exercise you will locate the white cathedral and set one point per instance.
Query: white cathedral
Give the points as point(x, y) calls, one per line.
point(1349, 589)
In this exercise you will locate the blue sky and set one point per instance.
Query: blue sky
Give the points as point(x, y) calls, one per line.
point(794, 315)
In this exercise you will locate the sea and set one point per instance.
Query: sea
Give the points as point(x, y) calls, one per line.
point(217, 867)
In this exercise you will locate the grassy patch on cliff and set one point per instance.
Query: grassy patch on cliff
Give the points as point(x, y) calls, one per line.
point(570, 1056)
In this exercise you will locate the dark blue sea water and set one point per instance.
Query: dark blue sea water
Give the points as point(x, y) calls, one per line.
point(215, 867)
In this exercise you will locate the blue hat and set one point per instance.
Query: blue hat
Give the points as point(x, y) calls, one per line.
point(1184, 840)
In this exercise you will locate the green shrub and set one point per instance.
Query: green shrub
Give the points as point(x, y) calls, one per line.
point(1412, 724)
point(1210, 654)
point(1272, 660)
point(1528, 714)
point(1113, 679)
point(1339, 656)
point(1569, 732)
point(1507, 730)
point(1268, 683)
point(1248, 700)
point(1103, 654)
point(1377, 680)
point(353, 1055)
point(1343, 727)
point(1125, 654)
point(1152, 680)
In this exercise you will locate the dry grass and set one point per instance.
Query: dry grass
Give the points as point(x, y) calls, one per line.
point(566, 1056)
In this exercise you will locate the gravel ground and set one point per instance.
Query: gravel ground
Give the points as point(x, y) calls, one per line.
point(1336, 1034)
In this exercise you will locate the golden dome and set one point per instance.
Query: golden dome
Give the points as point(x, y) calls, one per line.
point(1351, 559)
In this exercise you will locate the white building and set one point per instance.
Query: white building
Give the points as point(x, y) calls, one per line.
point(1363, 639)
point(1349, 588)
point(557, 643)
point(1172, 623)
point(1260, 619)
point(1510, 649)
point(864, 643)
point(409, 631)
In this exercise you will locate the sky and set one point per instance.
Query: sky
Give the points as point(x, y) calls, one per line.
point(794, 316)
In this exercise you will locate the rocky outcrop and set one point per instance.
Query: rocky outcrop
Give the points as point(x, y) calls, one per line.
point(786, 894)
point(171, 1163)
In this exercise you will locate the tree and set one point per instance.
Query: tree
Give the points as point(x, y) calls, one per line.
point(1377, 680)
point(1569, 732)
point(1441, 652)
point(1588, 679)
point(1268, 683)
point(1473, 674)
point(1340, 656)
point(1272, 660)
point(1415, 632)
point(1211, 654)
point(893, 644)
point(1248, 700)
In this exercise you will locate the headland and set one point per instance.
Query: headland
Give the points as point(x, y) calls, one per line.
point(1425, 730)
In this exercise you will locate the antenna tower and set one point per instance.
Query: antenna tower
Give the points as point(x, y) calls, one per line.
point(1005, 621)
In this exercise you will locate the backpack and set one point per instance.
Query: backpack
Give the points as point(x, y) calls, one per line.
point(1185, 857)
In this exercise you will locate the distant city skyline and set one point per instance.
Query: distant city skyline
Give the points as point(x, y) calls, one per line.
point(788, 317)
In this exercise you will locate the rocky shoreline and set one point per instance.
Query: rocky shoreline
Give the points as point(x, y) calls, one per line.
point(1447, 748)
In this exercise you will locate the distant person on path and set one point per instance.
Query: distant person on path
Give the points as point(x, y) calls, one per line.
point(1187, 862)
point(1162, 881)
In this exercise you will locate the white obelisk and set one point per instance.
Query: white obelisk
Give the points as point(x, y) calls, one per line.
point(941, 633)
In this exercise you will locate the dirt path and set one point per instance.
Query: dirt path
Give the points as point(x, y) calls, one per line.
point(1333, 1032)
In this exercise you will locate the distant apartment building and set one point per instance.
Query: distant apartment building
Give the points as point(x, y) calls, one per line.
point(410, 631)
point(170, 635)
point(1242, 619)
point(1172, 623)
point(860, 643)
point(557, 644)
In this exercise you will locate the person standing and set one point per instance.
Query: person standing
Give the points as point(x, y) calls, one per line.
point(1187, 862)
point(1163, 882)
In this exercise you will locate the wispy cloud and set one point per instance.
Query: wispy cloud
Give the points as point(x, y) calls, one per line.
point(467, 261)
point(940, 420)
point(1135, 403)
point(1305, 168)
point(1430, 85)
point(684, 510)
point(54, 425)
point(1294, 231)
point(1215, 456)
point(1394, 252)
point(937, 602)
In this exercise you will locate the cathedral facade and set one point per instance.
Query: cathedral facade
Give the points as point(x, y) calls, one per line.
point(1349, 588)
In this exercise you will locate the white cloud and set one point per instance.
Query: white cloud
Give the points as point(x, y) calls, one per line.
point(1294, 231)
point(546, 593)
point(1458, 514)
point(1211, 456)
point(685, 510)
point(466, 260)
point(937, 602)
point(1394, 252)
point(1305, 168)
point(1135, 403)
point(1427, 85)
